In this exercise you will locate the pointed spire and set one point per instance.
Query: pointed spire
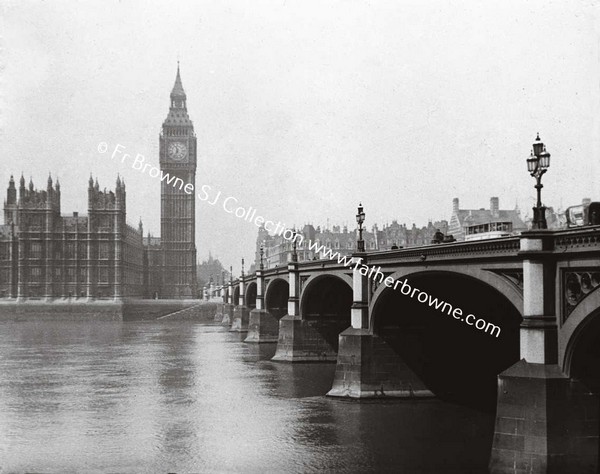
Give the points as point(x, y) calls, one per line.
point(30, 183)
point(178, 92)
point(22, 183)
point(91, 181)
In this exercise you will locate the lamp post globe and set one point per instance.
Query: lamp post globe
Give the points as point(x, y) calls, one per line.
point(538, 163)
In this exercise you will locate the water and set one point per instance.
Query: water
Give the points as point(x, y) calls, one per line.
point(166, 396)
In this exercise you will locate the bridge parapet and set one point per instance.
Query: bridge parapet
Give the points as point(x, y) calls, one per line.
point(492, 247)
point(580, 240)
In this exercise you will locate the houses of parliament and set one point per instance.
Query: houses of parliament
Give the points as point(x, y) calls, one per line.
point(45, 255)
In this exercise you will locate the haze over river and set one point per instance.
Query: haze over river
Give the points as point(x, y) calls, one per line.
point(183, 396)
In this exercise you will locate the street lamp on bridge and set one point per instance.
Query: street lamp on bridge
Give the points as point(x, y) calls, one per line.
point(537, 164)
point(262, 252)
point(360, 219)
point(294, 246)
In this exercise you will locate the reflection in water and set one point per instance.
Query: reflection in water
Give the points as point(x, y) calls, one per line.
point(187, 397)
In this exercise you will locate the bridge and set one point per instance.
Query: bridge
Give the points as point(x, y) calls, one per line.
point(537, 365)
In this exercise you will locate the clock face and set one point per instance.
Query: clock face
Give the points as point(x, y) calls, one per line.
point(177, 151)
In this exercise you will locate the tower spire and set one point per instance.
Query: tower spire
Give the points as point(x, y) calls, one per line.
point(178, 94)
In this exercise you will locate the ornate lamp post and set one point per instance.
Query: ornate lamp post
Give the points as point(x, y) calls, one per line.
point(242, 276)
point(537, 164)
point(360, 219)
point(294, 246)
point(262, 252)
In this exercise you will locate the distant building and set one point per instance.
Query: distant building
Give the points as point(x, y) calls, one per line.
point(473, 224)
point(278, 250)
point(211, 271)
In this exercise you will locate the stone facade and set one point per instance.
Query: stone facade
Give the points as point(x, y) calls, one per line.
point(44, 255)
point(277, 250)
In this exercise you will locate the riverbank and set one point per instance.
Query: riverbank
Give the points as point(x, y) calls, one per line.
point(101, 310)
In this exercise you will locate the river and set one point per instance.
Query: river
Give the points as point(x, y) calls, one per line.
point(183, 396)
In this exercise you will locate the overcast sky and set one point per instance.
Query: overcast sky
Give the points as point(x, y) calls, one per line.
point(303, 109)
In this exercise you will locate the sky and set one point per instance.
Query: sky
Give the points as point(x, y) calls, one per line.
point(303, 109)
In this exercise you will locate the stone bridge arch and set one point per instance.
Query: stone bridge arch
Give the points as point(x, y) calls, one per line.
point(250, 295)
point(579, 342)
point(236, 294)
point(504, 286)
point(455, 360)
point(325, 303)
point(276, 297)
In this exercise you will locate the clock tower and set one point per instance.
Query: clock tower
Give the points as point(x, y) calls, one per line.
point(178, 207)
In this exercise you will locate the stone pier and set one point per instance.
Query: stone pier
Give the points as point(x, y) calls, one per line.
point(299, 341)
point(241, 316)
point(262, 325)
point(241, 313)
point(219, 312)
point(545, 422)
point(366, 366)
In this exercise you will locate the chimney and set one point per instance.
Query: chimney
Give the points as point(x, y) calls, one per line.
point(495, 206)
point(586, 201)
point(75, 214)
point(455, 205)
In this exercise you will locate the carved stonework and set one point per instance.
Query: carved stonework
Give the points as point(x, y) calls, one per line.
point(303, 281)
point(576, 285)
point(375, 283)
point(513, 276)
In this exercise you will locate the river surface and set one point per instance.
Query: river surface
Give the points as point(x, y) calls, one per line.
point(180, 396)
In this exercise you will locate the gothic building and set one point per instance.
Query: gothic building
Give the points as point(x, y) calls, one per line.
point(45, 255)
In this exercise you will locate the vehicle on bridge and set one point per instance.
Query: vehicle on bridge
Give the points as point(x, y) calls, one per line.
point(584, 214)
point(490, 230)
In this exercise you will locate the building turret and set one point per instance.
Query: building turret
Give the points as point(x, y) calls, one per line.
point(10, 205)
point(11, 195)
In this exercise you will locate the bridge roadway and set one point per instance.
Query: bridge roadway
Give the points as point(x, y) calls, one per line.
point(541, 373)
